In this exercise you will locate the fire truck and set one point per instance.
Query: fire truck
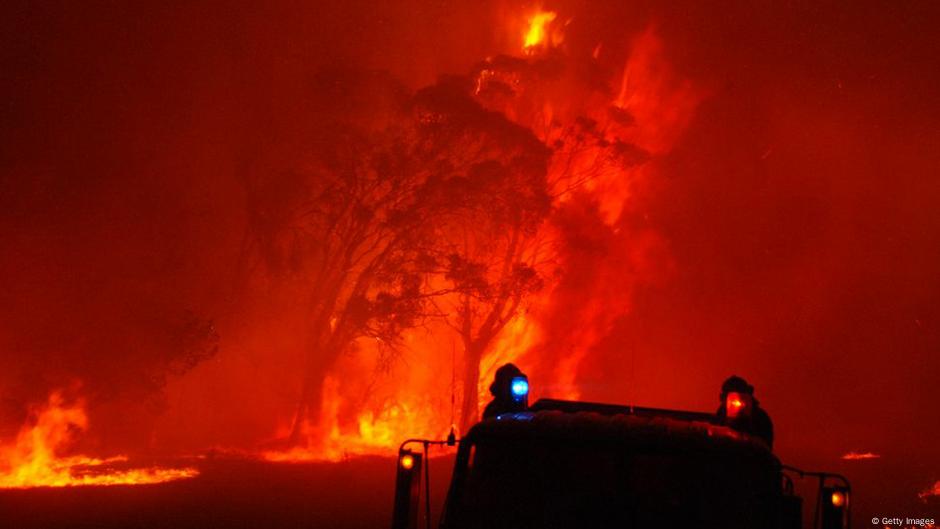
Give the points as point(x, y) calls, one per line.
point(566, 464)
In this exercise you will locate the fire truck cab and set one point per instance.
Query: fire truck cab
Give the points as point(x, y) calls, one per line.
point(563, 464)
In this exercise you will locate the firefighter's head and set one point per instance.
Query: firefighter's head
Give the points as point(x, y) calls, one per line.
point(737, 396)
point(511, 386)
point(502, 386)
point(510, 389)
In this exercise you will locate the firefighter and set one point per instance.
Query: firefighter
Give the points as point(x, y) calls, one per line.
point(742, 412)
point(506, 397)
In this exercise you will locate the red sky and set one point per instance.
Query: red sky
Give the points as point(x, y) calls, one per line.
point(801, 207)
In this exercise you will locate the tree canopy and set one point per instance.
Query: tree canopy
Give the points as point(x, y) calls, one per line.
point(364, 221)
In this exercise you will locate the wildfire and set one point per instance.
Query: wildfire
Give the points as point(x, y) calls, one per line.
point(852, 456)
point(932, 491)
point(408, 401)
point(33, 459)
point(538, 35)
point(660, 101)
point(601, 141)
point(371, 433)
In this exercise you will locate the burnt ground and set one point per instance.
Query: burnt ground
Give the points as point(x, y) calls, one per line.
point(227, 494)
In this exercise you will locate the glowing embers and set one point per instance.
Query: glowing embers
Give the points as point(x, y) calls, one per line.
point(930, 492)
point(33, 460)
point(538, 36)
point(855, 456)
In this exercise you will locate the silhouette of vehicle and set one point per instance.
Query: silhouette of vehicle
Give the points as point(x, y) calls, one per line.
point(564, 464)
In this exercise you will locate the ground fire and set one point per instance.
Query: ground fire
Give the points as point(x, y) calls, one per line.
point(246, 253)
point(35, 458)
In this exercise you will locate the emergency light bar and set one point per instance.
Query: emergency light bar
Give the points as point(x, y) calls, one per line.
point(835, 503)
point(519, 387)
point(734, 404)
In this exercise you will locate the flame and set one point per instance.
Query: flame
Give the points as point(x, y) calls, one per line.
point(852, 456)
point(33, 459)
point(368, 407)
point(932, 491)
point(661, 102)
point(537, 36)
point(371, 415)
point(415, 400)
point(645, 118)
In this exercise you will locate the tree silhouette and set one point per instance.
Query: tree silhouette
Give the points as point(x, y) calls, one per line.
point(502, 256)
point(360, 222)
point(493, 264)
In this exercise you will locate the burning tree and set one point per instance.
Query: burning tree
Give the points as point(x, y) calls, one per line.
point(361, 224)
point(502, 256)
point(571, 102)
point(450, 202)
point(495, 271)
point(494, 262)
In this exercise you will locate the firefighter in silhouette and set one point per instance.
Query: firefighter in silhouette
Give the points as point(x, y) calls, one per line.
point(742, 412)
point(510, 390)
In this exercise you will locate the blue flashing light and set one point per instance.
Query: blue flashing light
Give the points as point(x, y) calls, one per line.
point(515, 416)
point(519, 388)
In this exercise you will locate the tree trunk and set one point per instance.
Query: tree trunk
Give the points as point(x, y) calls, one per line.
point(308, 406)
point(469, 409)
point(318, 360)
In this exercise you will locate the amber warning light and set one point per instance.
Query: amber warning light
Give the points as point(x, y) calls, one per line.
point(835, 508)
point(838, 499)
point(407, 461)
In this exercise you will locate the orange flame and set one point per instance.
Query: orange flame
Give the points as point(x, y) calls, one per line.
point(371, 432)
point(661, 102)
point(369, 406)
point(932, 491)
point(853, 456)
point(33, 459)
point(538, 35)
point(360, 416)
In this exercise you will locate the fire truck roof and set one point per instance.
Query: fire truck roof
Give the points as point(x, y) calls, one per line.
point(571, 406)
point(640, 428)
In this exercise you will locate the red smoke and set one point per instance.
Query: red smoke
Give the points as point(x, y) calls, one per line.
point(771, 214)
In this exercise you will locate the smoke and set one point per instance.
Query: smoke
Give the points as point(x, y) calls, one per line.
point(784, 228)
point(797, 210)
